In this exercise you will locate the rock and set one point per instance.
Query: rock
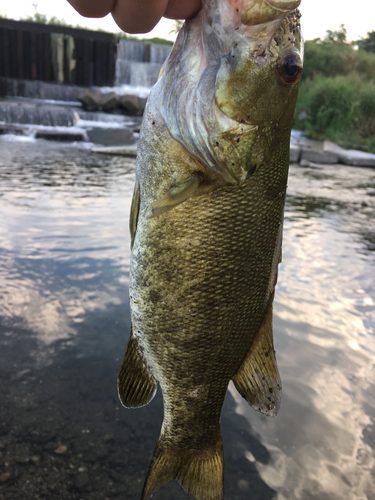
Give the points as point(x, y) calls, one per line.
point(350, 156)
point(117, 150)
point(331, 147)
point(82, 481)
point(302, 116)
point(243, 485)
point(295, 153)
point(357, 158)
point(133, 104)
point(4, 477)
point(61, 449)
point(60, 135)
point(371, 192)
point(316, 156)
point(309, 164)
point(111, 136)
point(90, 98)
point(109, 101)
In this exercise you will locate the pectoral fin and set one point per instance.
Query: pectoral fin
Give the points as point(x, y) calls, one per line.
point(134, 212)
point(135, 383)
point(175, 196)
point(258, 379)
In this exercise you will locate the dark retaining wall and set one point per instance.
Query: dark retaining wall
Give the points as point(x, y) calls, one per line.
point(34, 51)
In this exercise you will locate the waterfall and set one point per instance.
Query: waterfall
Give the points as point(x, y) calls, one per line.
point(136, 74)
point(159, 52)
point(37, 114)
point(138, 63)
point(36, 89)
point(130, 50)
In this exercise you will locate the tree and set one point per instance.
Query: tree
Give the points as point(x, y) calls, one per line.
point(336, 36)
point(367, 43)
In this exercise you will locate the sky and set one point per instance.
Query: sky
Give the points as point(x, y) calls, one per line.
point(318, 16)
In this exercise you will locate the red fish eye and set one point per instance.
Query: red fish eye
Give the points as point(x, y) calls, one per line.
point(290, 68)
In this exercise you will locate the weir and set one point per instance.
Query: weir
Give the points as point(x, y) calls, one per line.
point(138, 63)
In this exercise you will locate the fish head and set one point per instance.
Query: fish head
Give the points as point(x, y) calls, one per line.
point(261, 72)
point(257, 83)
point(230, 86)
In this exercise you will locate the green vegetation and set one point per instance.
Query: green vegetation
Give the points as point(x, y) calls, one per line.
point(337, 93)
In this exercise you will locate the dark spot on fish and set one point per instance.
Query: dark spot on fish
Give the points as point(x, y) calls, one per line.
point(217, 143)
point(271, 390)
point(248, 116)
point(238, 140)
point(153, 122)
point(154, 297)
point(263, 378)
point(266, 354)
point(232, 163)
point(269, 399)
point(252, 170)
point(242, 120)
point(236, 10)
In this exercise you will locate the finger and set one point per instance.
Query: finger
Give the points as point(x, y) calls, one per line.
point(93, 8)
point(182, 9)
point(138, 16)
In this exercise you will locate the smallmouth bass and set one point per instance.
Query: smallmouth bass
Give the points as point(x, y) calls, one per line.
point(206, 230)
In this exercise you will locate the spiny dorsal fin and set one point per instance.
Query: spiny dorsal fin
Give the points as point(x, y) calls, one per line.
point(134, 212)
point(136, 385)
point(200, 472)
point(175, 196)
point(258, 379)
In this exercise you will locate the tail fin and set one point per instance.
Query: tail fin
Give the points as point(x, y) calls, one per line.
point(200, 472)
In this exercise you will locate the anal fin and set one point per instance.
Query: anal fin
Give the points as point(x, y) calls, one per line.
point(136, 385)
point(258, 379)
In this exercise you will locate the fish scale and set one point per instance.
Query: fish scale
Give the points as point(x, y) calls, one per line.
point(206, 227)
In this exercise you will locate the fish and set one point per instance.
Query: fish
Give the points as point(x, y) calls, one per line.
point(206, 230)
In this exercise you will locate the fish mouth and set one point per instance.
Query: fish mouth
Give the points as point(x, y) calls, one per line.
point(256, 12)
point(285, 5)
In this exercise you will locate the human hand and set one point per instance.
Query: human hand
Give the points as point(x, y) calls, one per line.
point(137, 16)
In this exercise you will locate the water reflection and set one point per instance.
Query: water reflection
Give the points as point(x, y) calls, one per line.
point(64, 318)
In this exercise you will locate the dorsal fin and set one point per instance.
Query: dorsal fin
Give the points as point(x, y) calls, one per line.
point(258, 379)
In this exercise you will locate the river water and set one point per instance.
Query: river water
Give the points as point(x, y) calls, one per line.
point(64, 322)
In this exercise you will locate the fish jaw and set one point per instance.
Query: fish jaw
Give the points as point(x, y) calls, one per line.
point(255, 12)
point(220, 94)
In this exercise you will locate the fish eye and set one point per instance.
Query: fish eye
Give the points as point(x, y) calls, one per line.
point(290, 68)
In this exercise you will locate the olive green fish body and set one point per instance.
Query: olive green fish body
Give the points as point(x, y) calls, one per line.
point(206, 226)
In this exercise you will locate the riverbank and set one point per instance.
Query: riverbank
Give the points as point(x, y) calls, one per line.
point(116, 133)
